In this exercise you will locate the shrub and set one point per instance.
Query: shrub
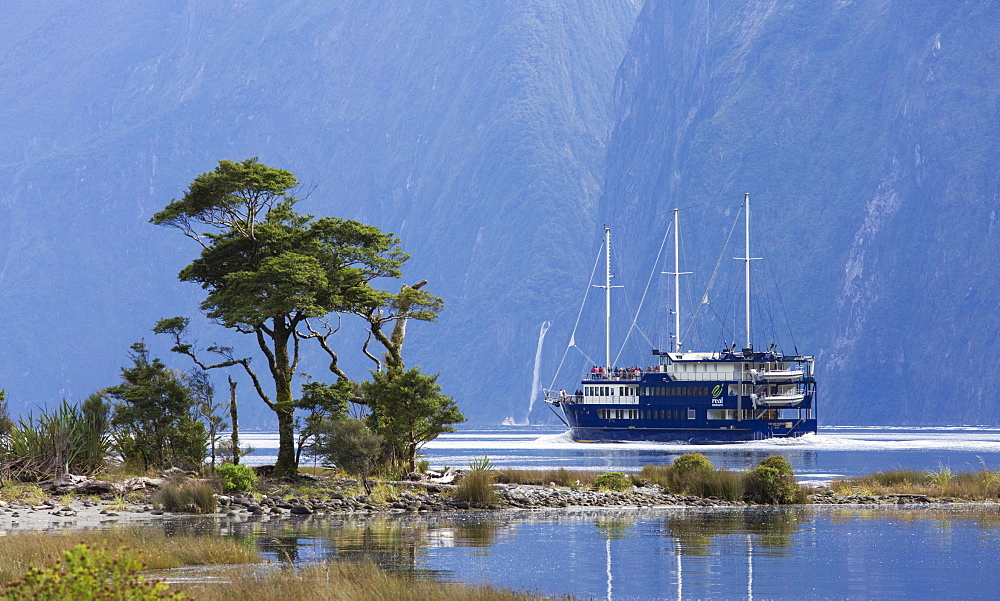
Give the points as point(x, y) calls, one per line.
point(154, 419)
point(87, 574)
point(691, 461)
point(779, 463)
point(65, 438)
point(190, 496)
point(767, 485)
point(616, 481)
point(237, 478)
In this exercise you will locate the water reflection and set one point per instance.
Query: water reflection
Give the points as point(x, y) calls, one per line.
point(746, 553)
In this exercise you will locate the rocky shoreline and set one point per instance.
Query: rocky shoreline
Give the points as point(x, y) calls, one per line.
point(96, 504)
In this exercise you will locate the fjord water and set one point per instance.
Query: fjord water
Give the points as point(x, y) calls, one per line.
point(684, 553)
point(834, 452)
point(806, 552)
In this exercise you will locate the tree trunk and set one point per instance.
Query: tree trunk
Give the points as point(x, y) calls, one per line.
point(281, 371)
point(285, 466)
point(236, 421)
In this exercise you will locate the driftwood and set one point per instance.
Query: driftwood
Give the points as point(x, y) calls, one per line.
point(70, 484)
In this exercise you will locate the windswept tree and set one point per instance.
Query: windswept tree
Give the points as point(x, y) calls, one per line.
point(411, 303)
point(154, 417)
point(407, 411)
point(268, 271)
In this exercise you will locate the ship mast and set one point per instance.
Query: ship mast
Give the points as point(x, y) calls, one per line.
point(607, 296)
point(747, 258)
point(677, 273)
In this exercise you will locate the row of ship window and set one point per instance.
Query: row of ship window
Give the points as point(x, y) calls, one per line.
point(637, 414)
point(646, 391)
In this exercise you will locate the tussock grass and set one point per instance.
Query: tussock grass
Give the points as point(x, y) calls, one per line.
point(983, 485)
point(345, 581)
point(20, 551)
point(561, 477)
point(721, 484)
point(189, 496)
point(476, 487)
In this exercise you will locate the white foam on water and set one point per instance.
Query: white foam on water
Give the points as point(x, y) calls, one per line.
point(929, 440)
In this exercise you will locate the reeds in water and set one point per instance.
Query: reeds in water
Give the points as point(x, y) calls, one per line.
point(346, 581)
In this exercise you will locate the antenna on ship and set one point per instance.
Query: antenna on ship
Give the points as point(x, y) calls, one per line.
point(607, 296)
point(677, 273)
point(747, 258)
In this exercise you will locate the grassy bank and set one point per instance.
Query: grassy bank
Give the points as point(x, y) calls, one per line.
point(346, 581)
point(983, 485)
point(20, 551)
point(343, 581)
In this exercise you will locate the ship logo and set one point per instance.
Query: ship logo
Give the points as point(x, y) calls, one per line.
point(717, 391)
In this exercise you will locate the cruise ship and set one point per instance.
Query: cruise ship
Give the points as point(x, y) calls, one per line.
point(722, 396)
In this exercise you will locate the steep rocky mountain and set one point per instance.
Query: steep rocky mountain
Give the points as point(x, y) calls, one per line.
point(866, 133)
point(497, 138)
point(470, 129)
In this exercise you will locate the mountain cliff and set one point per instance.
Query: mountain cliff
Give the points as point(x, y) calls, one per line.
point(866, 132)
point(496, 138)
point(476, 131)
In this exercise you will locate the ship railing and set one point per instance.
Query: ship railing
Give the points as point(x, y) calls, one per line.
point(616, 377)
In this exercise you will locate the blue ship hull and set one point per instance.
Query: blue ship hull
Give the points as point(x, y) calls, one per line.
point(744, 433)
point(766, 395)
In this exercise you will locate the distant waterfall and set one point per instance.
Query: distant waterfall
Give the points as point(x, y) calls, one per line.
point(534, 373)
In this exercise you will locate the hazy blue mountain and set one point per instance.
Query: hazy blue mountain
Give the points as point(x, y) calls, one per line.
point(475, 130)
point(496, 138)
point(867, 134)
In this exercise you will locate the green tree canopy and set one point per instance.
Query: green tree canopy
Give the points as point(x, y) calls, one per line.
point(408, 410)
point(269, 271)
point(153, 415)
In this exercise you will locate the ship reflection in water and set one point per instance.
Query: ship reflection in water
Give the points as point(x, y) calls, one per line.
point(765, 553)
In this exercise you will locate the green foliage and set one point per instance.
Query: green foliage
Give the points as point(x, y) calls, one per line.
point(691, 462)
point(348, 444)
point(5, 423)
point(154, 421)
point(771, 482)
point(481, 464)
point(267, 271)
point(87, 574)
point(186, 496)
point(237, 478)
point(408, 410)
point(779, 463)
point(476, 485)
point(616, 481)
point(423, 465)
point(942, 476)
point(67, 438)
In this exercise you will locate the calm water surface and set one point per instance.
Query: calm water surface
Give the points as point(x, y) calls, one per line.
point(762, 553)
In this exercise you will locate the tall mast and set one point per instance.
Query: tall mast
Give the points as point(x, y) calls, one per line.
point(746, 203)
point(677, 273)
point(607, 296)
point(747, 258)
